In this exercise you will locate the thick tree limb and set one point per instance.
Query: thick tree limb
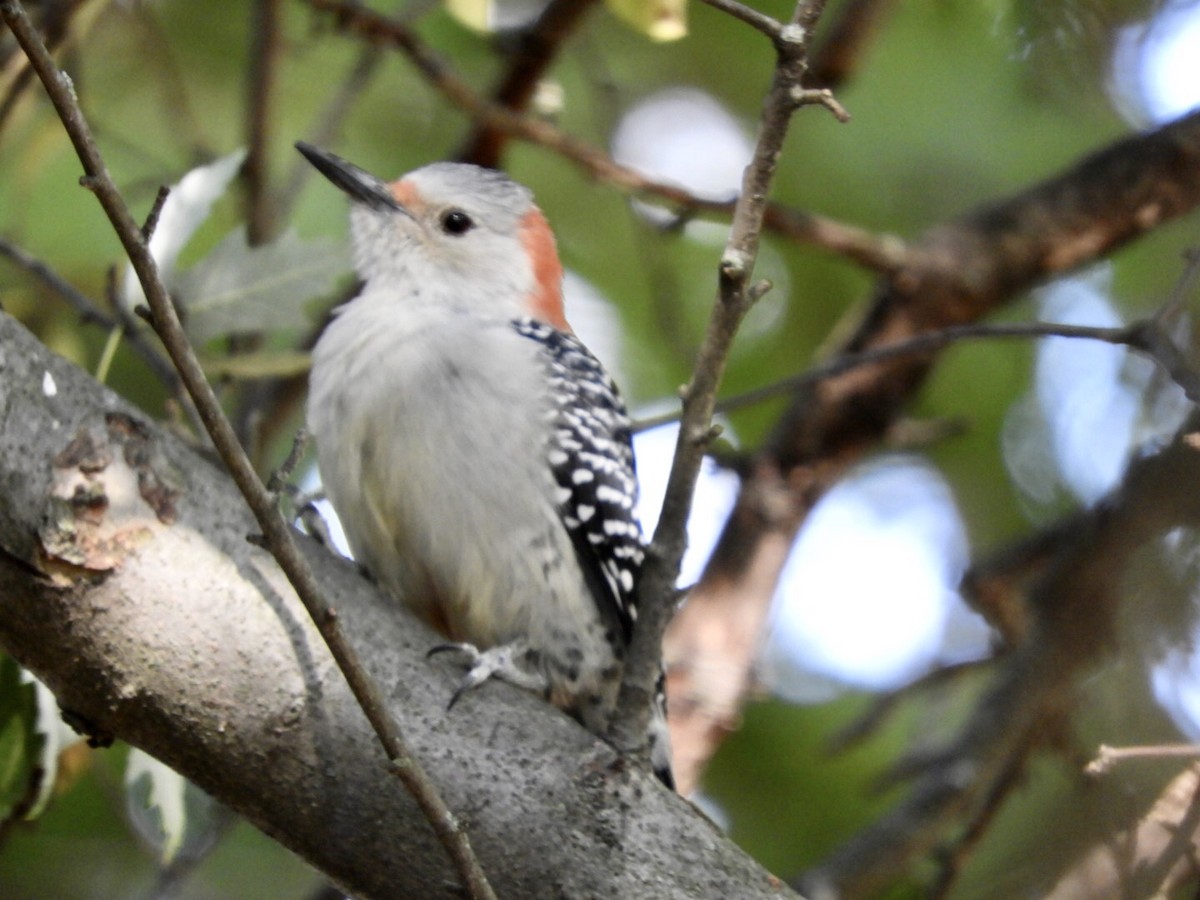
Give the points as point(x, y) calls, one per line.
point(1076, 601)
point(956, 273)
point(276, 535)
point(128, 586)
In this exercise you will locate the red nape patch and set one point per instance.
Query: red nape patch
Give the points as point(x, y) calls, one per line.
point(546, 301)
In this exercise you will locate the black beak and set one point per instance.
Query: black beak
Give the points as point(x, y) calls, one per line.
point(362, 187)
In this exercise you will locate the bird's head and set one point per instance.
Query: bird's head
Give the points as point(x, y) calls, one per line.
point(451, 233)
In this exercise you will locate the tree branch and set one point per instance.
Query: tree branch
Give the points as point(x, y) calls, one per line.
point(1156, 858)
point(535, 52)
point(1146, 336)
point(264, 53)
point(878, 253)
point(954, 274)
point(736, 296)
point(276, 531)
point(127, 585)
point(91, 313)
point(1075, 602)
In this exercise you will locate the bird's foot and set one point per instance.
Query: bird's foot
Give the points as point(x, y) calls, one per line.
point(514, 663)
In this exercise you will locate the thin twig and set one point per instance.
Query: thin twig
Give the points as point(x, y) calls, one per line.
point(752, 17)
point(737, 293)
point(275, 529)
point(535, 51)
point(953, 858)
point(883, 705)
point(1183, 289)
point(92, 314)
point(883, 254)
point(324, 131)
point(53, 23)
point(156, 208)
point(839, 52)
point(1107, 757)
point(1143, 336)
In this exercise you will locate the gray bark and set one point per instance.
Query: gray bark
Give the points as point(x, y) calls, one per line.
point(128, 585)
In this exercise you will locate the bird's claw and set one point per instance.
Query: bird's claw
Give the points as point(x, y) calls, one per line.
point(504, 662)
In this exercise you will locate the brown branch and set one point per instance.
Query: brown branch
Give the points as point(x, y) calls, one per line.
point(1146, 336)
point(839, 51)
point(535, 52)
point(736, 295)
point(879, 253)
point(955, 274)
point(54, 20)
point(1108, 757)
point(1157, 858)
point(91, 313)
point(277, 533)
point(264, 54)
point(1075, 605)
point(884, 704)
point(954, 858)
point(328, 123)
point(234, 688)
point(752, 17)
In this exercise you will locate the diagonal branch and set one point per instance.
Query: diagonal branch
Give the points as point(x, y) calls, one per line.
point(956, 273)
point(535, 52)
point(878, 253)
point(185, 639)
point(275, 529)
point(736, 295)
point(91, 313)
point(1076, 602)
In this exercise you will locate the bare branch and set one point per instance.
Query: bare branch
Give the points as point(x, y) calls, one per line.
point(91, 313)
point(324, 131)
point(535, 52)
point(1075, 604)
point(192, 645)
point(736, 295)
point(1156, 858)
point(264, 54)
point(1108, 757)
point(957, 273)
point(1144, 336)
point(752, 17)
point(879, 253)
point(839, 51)
point(275, 529)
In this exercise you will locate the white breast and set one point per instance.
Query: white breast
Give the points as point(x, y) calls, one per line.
point(427, 425)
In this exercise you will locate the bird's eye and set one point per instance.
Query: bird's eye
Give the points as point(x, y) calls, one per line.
point(455, 221)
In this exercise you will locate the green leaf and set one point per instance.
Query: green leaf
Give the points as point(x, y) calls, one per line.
point(475, 14)
point(155, 788)
point(264, 364)
point(56, 736)
point(659, 20)
point(167, 811)
point(185, 210)
point(17, 767)
point(239, 289)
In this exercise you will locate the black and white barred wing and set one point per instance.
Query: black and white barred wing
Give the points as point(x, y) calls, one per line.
point(591, 457)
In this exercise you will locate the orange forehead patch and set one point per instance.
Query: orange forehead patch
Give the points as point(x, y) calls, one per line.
point(538, 240)
point(406, 194)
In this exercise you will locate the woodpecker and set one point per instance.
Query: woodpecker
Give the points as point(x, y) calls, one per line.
point(477, 453)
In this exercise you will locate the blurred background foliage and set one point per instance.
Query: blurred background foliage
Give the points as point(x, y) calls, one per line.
point(955, 103)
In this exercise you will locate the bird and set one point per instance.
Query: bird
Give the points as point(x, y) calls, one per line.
point(477, 454)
